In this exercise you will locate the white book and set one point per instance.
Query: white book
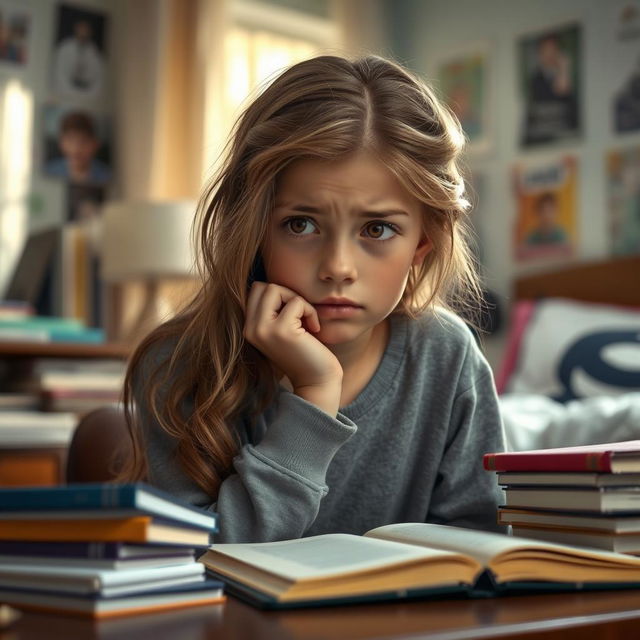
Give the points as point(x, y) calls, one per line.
point(41, 419)
point(610, 499)
point(558, 519)
point(107, 582)
point(578, 479)
point(97, 563)
point(628, 543)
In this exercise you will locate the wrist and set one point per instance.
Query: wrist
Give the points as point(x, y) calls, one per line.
point(325, 396)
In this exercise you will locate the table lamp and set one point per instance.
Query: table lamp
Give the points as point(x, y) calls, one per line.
point(146, 242)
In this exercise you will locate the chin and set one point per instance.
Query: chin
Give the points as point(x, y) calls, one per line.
point(338, 333)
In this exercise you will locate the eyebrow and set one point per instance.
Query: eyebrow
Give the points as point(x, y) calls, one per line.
point(303, 208)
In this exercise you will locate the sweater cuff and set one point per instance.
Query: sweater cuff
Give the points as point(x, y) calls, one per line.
point(303, 438)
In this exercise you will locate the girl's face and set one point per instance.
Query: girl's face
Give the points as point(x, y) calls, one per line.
point(344, 235)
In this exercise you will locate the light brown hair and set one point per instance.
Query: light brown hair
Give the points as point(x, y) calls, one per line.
point(325, 107)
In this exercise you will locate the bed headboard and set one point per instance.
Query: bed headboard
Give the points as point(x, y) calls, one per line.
point(612, 281)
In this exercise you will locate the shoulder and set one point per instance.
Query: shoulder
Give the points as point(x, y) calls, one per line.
point(100, 172)
point(57, 167)
point(439, 340)
point(440, 327)
point(151, 359)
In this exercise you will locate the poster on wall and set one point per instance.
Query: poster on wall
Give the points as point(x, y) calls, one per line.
point(545, 195)
point(76, 145)
point(623, 194)
point(463, 81)
point(15, 29)
point(626, 67)
point(79, 54)
point(549, 78)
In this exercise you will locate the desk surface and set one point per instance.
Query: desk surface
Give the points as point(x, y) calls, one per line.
point(611, 614)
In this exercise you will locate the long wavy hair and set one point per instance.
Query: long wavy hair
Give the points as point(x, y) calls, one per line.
point(322, 108)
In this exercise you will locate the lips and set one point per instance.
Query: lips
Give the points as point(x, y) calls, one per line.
point(337, 308)
point(338, 302)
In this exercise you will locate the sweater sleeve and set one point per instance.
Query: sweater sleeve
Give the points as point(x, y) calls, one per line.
point(465, 494)
point(279, 482)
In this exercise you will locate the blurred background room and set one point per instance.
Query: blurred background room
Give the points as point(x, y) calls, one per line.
point(113, 114)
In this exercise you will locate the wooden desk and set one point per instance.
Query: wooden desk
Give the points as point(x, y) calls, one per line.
point(614, 615)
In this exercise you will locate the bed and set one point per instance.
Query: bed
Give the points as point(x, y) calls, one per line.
point(570, 374)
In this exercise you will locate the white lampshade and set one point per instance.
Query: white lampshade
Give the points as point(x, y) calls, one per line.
point(147, 240)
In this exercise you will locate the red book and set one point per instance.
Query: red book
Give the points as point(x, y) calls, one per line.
point(610, 457)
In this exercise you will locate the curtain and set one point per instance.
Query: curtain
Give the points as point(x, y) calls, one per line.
point(165, 50)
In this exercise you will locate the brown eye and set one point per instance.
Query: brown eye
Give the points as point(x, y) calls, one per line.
point(299, 226)
point(376, 230)
point(380, 231)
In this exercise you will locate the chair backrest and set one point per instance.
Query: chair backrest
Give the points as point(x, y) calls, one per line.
point(99, 446)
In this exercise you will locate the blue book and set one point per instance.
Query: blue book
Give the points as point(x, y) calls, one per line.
point(93, 335)
point(100, 500)
point(47, 323)
point(46, 329)
point(77, 551)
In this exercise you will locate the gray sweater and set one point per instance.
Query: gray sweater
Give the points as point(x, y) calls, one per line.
point(407, 449)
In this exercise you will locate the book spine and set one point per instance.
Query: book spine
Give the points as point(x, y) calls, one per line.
point(64, 498)
point(570, 461)
point(131, 530)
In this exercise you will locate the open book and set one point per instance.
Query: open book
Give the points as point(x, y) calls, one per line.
point(410, 560)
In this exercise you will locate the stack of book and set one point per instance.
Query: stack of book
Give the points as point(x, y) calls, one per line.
point(586, 496)
point(72, 385)
point(78, 385)
point(102, 550)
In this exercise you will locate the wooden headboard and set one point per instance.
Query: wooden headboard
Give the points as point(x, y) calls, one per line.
point(612, 281)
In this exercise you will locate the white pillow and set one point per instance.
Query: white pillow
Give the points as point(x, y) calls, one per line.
point(575, 350)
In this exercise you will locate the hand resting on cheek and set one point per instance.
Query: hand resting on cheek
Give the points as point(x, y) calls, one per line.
point(280, 323)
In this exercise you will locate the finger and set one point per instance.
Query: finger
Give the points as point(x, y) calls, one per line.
point(273, 300)
point(298, 309)
point(253, 302)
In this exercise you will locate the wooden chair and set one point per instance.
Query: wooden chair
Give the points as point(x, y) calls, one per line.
point(98, 447)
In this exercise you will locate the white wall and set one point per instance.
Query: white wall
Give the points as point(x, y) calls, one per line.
point(422, 32)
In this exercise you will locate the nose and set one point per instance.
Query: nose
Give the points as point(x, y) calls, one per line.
point(338, 263)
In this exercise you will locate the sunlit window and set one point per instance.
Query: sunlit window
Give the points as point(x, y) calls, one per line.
point(261, 38)
point(16, 123)
point(253, 57)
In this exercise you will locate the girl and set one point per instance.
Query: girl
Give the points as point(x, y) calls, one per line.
point(317, 383)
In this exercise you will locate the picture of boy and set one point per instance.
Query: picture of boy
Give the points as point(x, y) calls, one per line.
point(78, 145)
point(547, 229)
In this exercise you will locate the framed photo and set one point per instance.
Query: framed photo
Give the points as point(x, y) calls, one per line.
point(550, 79)
point(76, 145)
point(463, 79)
point(623, 195)
point(545, 193)
point(79, 54)
point(625, 55)
point(15, 34)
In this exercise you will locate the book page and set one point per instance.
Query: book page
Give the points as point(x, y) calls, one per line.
point(322, 556)
point(481, 545)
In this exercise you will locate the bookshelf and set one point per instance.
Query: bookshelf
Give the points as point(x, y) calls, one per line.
point(63, 350)
point(43, 465)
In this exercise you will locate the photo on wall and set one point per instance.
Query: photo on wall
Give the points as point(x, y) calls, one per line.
point(545, 196)
point(550, 85)
point(75, 145)
point(15, 32)
point(79, 54)
point(623, 195)
point(463, 83)
point(625, 54)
